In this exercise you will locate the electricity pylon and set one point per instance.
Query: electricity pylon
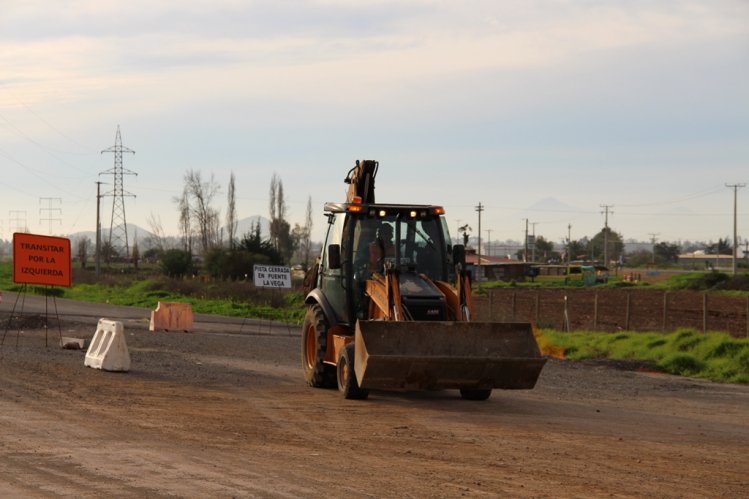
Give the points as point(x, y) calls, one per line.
point(118, 224)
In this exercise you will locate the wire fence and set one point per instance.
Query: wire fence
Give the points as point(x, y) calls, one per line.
point(617, 310)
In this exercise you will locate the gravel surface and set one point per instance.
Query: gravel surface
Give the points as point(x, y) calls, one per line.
point(223, 412)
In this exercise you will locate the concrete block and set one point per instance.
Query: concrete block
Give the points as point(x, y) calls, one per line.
point(171, 316)
point(108, 349)
point(74, 343)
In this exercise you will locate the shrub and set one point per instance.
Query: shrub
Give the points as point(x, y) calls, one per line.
point(176, 263)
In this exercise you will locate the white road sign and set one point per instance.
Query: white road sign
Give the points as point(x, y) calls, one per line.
point(272, 276)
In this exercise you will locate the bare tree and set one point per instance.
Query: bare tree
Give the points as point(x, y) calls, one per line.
point(158, 237)
point(280, 230)
point(274, 180)
point(185, 221)
point(273, 209)
point(201, 194)
point(231, 212)
point(306, 243)
point(82, 248)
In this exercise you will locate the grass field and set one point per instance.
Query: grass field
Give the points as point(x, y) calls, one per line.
point(239, 299)
point(686, 352)
point(714, 356)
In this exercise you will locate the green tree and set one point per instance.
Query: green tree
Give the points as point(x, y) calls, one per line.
point(135, 257)
point(578, 249)
point(615, 245)
point(545, 250)
point(722, 247)
point(666, 252)
point(252, 242)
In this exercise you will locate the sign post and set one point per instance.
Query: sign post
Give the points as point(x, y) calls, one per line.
point(272, 276)
point(40, 260)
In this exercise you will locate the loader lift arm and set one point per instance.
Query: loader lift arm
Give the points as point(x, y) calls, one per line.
point(361, 180)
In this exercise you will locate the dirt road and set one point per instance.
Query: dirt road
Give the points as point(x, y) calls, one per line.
point(223, 412)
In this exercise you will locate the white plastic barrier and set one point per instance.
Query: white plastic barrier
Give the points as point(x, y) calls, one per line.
point(108, 349)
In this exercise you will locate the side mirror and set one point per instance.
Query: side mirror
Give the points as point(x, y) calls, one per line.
point(334, 256)
point(459, 255)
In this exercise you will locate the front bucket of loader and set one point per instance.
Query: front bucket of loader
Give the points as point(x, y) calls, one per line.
point(423, 355)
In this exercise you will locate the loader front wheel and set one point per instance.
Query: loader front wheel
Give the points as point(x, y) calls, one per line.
point(475, 393)
point(346, 376)
point(314, 344)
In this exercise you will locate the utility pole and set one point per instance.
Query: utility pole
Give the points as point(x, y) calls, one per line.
point(457, 234)
point(118, 223)
point(606, 211)
point(735, 188)
point(569, 243)
point(49, 210)
point(479, 209)
point(533, 248)
point(98, 229)
point(525, 246)
point(652, 242)
point(489, 243)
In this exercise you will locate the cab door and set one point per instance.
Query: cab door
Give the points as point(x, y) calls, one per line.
point(331, 280)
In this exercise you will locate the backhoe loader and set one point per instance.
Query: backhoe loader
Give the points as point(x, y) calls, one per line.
point(390, 306)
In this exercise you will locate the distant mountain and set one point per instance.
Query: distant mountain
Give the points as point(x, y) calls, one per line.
point(144, 237)
point(551, 205)
point(246, 225)
point(133, 232)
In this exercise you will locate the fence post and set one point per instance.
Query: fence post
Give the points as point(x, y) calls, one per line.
point(566, 315)
point(538, 304)
point(595, 311)
point(626, 318)
point(665, 310)
point(704, 312)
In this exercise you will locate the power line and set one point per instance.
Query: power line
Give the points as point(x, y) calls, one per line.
point(46, 122)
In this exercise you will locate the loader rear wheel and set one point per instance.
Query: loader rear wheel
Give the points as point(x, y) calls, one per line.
point(346, 375)
point(475, 393)
point(314, 344)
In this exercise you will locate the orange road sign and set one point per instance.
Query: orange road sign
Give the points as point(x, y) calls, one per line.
point(41, 260)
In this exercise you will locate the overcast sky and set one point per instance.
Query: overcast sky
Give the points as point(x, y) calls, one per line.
point(542, 109)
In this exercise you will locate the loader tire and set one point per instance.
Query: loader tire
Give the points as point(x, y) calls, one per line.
point(346, 376)
point(314, 343)
point(475, 393)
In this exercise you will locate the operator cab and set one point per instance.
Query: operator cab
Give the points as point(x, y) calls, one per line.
point(412, 239)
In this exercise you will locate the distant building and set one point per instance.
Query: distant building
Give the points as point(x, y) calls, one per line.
point(699, 260)
point(495, 268)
